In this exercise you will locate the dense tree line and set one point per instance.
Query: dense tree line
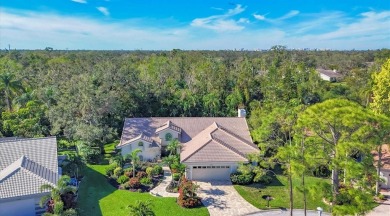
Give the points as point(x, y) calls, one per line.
point(85, 95)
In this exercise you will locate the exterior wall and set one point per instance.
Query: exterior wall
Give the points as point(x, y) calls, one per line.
point(385, 175)
point(161, 135)
point(147, 152)
point(20, 207)
point(189, 167)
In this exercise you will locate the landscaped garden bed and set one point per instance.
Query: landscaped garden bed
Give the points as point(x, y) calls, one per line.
point(141, 177)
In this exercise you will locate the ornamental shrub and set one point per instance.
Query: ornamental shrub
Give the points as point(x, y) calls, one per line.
point(158, 169)
point(265, 179)
point(146, 181)
point(241, 179)
point(118, 171)
point(134, 183)
point(110, 169)
point(128, 174)
point(141, 174)
point(176, 176)
point(187, 194)
point(150, 171)
point(122, 179)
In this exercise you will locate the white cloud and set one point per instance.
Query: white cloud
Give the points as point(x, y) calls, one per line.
point(103, 10)
point(24, 30)
point(259, 17)
point(80, 1)
point(223, 22)
point(288, 15)
point(243, 20)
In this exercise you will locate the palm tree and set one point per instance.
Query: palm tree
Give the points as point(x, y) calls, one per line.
point(9, 85)
point(171, 159)
point(141, 208)
point(134, 157)
point(74, 164)
point(56, 192)
point(173, 146)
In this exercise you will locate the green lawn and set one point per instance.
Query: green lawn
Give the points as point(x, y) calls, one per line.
point(98, 197)
point(109, 147)
point(278, 189)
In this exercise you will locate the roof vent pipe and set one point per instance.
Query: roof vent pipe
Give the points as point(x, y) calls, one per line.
point(241, 113)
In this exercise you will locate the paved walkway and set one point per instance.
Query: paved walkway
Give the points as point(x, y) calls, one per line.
point(383, 208)
point(160, 189)
point(221, 198)
point(286, 212)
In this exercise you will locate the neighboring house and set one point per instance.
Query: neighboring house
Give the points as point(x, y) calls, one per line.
point(25, 165)
point(329, 75)
point(385, 169)
point(212, 147)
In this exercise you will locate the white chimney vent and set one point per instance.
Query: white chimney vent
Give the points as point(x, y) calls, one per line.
point(241, 113)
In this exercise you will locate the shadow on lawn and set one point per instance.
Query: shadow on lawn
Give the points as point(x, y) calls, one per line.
point(93, 188)
point(275, 182)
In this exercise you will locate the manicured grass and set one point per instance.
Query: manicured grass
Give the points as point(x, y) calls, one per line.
point(98, 197)
point(65, 152)
point(278, 189)
point(109, 147)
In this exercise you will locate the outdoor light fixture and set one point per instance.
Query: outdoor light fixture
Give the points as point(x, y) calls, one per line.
point(319, 209)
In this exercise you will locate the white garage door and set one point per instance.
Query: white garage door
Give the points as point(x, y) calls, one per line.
point(206, 173)
point(25, 207)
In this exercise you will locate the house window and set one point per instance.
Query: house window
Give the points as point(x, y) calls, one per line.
point(168, 137)
point(194, 167)
point(140, 144)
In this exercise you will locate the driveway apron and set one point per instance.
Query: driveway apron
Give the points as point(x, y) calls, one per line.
point(221, 198)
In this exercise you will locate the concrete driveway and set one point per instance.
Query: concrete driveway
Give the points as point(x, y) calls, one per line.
point(383, 208)
point(221, 198)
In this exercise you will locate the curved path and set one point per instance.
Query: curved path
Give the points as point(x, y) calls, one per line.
point(160, 189)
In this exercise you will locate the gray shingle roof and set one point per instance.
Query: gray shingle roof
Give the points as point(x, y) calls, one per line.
point(329, 73)
point(26, 164)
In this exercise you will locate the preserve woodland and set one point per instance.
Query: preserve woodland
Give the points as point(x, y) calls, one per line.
point(306, 128)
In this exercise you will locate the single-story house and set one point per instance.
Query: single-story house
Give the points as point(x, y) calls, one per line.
point(329, 75)
point(211, 147)
point(385, 161)
point(25, 165)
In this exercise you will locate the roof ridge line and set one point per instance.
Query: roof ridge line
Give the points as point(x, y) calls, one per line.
point(10, 169)
point(197, 150)
point(228, 146)
point(46, 171)
point(238, 137)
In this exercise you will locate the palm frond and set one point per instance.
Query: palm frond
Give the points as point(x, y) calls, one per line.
point(43, 200)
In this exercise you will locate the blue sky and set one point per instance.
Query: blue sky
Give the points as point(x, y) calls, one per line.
point(211, 25)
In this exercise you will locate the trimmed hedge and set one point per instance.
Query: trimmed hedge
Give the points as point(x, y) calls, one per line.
point(241, 179)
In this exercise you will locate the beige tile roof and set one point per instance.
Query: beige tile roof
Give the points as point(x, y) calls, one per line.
point(214, 151)
point(199, 135)
point(385, 156)
point(140, 137)
point(169, 125)
point(26, 164)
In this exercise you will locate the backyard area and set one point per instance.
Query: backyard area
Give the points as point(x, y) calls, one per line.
point(278, 190)
point(98, 197)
